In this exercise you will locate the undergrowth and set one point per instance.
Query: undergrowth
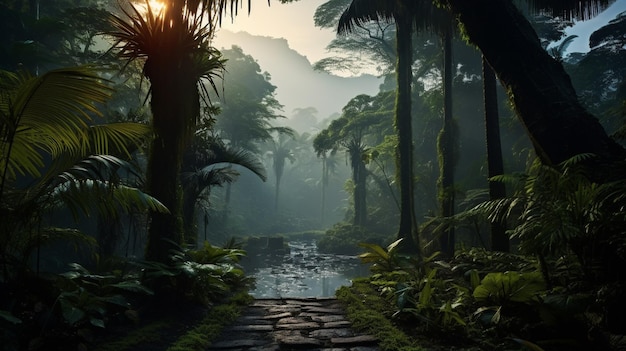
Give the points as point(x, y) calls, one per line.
point(368, 311)
point(201, 336)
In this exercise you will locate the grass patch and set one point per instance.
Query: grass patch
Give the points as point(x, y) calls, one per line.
point(201, 336)
point(150, 333)
point(367, 311)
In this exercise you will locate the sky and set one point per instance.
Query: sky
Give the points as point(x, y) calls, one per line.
point(585, 28)
point(294, 22)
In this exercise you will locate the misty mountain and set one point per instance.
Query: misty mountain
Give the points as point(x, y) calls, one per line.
point(298, 85)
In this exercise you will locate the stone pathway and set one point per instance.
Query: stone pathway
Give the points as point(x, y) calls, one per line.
point(293, 324)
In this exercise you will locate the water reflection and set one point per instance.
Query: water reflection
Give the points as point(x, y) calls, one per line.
point(303, 272)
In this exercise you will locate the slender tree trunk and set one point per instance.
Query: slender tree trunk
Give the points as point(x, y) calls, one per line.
point(445, 145)
point(407, 230)
point(495, 164)
point(277, 192)
point(359, 175)
point(324, 187)
point(544, 98)
point(190, 225)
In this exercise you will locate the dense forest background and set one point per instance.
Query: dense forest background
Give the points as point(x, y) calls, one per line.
point(137, 159)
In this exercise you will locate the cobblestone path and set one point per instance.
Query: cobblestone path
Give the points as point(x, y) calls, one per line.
point(293, 324)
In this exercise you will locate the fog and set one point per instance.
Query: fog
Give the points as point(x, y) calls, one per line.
point(298, 85)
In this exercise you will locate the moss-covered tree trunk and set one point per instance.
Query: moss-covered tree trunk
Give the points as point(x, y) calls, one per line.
point(544, 98)
point(403, 124)
point(495, 164)
point(445, 149)
point(359, 176)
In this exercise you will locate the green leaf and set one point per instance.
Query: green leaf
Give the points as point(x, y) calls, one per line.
point(7, 316)
point(97, 322)
point(71, 313)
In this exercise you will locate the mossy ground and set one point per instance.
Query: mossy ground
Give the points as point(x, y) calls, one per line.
point(192, 329)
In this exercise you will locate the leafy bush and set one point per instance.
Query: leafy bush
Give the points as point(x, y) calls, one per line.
point(502, 288)
point(204, 275)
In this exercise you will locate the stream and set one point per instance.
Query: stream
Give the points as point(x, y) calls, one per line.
point(303, 272)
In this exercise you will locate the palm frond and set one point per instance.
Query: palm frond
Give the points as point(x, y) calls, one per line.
point(362, 11)
point(49, 114)
point(51, 235)
point(240, 157)
point(104, 198)
point(115, 138)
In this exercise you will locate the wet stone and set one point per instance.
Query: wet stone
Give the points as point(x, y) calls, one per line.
point(299, 342)
point(337, 324)
point(291, 320)
point(252, 320)
point(324, 310)
point(297, 326)
point(331, 333)
point(253, 327)
point(278, 316)
point(304, 303)
point(284, 308)
point(328, 318)
point(313, 325)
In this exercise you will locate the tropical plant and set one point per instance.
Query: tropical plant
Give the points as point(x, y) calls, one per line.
point(359, 117)
point(502, 288)
point(280, 152)
point(175, 43)
point(208, 163)
point(50, 143)
point(203, 275)
point(402, 12)
point(560, 211)
point(382, 259)
point(87, 298)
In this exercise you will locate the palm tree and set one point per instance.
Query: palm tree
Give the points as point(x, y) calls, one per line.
point(281, 151)
point(175, 44)
point(359, 117)
point(325, 149)
point(423, 16)
point(402, 12)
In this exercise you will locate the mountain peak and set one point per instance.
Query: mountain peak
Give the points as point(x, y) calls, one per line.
point(298, 84)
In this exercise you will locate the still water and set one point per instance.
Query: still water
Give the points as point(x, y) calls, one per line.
point(303, 272)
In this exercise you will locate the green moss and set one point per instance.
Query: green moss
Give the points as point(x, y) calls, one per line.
point(201, 336)
point(367, 311)
point(148, 334)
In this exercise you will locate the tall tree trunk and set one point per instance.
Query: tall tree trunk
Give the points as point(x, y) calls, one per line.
point(446, 150)
point(324, 187)
point(404, 152)
point(277, 191)
point(544, 98)
point(359, 175)
point(190, 224)
point(495, 165)
point(174, 104)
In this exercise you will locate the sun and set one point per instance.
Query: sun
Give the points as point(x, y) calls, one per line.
point(156, 6)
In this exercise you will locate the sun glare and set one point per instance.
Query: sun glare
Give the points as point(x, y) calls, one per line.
point(156, 6)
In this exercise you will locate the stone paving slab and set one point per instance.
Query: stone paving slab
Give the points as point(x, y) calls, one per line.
point(317, 324)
